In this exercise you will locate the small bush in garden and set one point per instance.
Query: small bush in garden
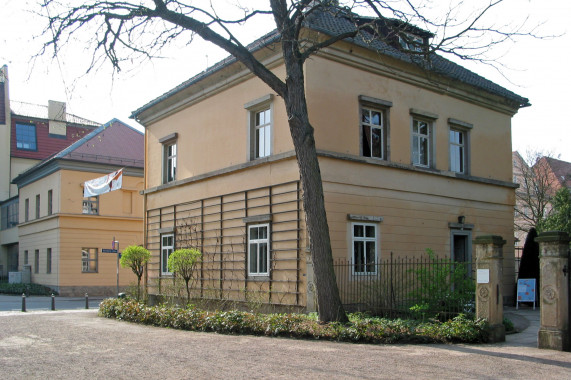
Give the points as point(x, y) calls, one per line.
point(135, 257)
point(509, 325)
point(182, 263)
point(361, 328)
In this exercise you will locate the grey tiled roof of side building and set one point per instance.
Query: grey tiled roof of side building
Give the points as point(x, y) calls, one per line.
point(333, 24)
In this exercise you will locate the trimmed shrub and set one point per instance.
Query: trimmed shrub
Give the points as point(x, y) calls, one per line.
point(360, 329)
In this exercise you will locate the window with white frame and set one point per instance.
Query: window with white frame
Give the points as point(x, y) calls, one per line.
point(260, 127)
point(89, 260)
point(457, 151)
point(411, 42)
point(91, 205)
point(259, 250)
point(169, 162)
point(373, 133)
point(364, 248)
point(421, 142)
point(170, 151)
point(459, 146)
point(167, 247)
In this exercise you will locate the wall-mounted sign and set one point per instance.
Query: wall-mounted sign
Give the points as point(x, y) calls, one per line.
point(483, 276)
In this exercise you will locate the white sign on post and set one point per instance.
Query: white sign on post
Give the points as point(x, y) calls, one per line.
point(483, 276)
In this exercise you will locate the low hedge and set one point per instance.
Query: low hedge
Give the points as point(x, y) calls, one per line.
point(361, 329)
point(28, 289)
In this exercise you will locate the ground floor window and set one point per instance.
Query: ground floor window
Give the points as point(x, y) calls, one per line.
point(258, 250)
point(49, 261)
point(37, 261)
point(364, 248)
point(167, 247)
point(89, 260)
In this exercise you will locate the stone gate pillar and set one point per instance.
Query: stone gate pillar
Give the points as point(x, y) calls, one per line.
point(489, 301)
point(554, 295)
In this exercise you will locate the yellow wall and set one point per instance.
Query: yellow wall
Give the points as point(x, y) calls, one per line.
point(333, 90)
point(67, 231)
point(212, 134)
point(416, 205)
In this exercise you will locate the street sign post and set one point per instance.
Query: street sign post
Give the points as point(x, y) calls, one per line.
point(115, 249)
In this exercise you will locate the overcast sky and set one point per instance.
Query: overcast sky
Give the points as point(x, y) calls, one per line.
point(538, 70)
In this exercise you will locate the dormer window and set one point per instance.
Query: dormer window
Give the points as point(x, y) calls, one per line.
point(411, 42)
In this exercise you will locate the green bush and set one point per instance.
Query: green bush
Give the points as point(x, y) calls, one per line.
point(444, 285)
point(361, 328)
point(28, 289)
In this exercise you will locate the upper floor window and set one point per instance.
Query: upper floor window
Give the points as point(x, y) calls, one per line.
point(50, 202)
point(459, 146)
point(167, 247)
point(258, 250)
point(374, 127)
point(411, 42)
point(169, 157)
point(26, 137)
point(422, 141)
point(457, 151)
point(91, 205)
point(27, 209)
point(364, 248)
point(38, 206)
point(9, 211)
point(260, 128)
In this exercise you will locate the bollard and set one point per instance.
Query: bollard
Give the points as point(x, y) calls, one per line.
point(86, 301)
point(23, 302)
point(53, 302)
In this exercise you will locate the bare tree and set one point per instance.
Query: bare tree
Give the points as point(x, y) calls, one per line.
point(125, 31)
point(537, 186)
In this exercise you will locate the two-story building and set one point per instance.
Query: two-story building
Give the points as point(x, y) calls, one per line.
point(411, 158)
point(29, 133)
point(62, 234)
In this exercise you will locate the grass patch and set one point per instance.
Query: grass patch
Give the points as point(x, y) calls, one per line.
point(360, 329)
point(28, 289)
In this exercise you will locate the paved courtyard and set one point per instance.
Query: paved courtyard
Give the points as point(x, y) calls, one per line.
point(79, 345)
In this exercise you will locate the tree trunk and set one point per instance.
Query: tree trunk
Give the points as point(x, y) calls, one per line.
point(328, 300)
point(138, 288)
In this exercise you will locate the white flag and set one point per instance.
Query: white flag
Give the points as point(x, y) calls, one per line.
point(102, 185)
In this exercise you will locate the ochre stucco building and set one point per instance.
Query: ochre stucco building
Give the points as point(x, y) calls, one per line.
point(410, 159)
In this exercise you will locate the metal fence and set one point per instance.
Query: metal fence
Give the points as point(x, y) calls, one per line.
point(407, 287)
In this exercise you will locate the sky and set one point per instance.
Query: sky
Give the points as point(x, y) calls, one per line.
point(537, 69)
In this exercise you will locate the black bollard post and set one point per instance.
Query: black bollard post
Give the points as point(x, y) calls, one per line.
point(24, 302)
point(86, 301)
point(53, 302)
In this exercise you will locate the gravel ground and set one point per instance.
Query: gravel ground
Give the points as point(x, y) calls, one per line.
point(80, 345)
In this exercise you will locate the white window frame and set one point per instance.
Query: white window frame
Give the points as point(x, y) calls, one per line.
point(87, 257)
point(416, 145)
point(166, 250)
point(169, 162)
point(372, 126)
point(258, 242)
point(90, 205)
point(411, 42)
point(263, 105)
point(464, 129)
point(364, 240)
point(457, 150)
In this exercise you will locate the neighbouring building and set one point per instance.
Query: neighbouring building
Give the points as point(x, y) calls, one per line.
point(61, 233)
point(410, 159)
point(29, 133)
point(546, 177)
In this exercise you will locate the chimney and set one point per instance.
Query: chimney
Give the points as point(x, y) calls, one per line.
point(57, 118)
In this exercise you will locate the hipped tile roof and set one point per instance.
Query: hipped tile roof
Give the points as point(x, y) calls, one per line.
point(336, 23)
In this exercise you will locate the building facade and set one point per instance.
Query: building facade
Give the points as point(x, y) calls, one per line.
point(62, 234)
point(29, 133)
point(410, 159)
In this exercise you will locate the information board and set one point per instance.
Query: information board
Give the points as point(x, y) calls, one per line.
point(526, 290)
